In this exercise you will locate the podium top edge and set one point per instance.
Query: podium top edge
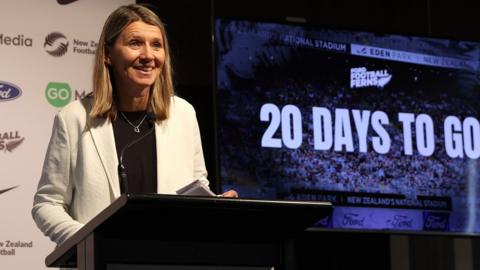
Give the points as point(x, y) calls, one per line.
point(191, 199)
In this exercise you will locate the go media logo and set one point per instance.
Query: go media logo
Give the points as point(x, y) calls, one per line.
point(58, 94)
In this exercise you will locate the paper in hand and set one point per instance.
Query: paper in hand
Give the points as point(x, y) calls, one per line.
point(196, 188)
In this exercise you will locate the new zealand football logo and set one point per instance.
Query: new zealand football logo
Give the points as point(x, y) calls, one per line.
point(56, 44)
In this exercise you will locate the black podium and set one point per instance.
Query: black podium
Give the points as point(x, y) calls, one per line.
point(153, 230)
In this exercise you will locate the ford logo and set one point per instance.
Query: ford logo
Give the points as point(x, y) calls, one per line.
point(9, 91)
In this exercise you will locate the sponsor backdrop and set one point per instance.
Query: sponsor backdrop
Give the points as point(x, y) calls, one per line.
point(46, 55)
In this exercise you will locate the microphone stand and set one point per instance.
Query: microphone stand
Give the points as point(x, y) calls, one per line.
point(122, 171)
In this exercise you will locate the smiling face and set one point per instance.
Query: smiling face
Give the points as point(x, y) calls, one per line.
point(137, 58)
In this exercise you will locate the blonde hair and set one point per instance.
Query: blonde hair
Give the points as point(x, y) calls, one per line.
point(104, 95)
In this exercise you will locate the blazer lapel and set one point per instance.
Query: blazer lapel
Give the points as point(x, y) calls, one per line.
point(159, 141)
point(104, 140)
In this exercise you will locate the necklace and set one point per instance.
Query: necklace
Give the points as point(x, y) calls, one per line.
point(135, 128)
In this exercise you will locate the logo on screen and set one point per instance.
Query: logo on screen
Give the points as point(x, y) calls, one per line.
point(353, 219)
point(435, 221)
point(400, 222)
point(360, 77)
point(9, 91)
point(56, 44)
point(10, 140)
point(58, 94)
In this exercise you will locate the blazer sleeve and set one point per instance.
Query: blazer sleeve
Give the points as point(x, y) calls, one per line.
point(199, 170)
point(55, 189)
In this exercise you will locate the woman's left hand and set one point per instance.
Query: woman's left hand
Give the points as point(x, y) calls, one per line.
point(230, 194)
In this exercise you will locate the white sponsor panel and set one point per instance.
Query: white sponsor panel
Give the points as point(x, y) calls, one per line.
point(46, 49)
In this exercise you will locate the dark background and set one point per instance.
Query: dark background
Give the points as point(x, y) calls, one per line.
point(188, 24)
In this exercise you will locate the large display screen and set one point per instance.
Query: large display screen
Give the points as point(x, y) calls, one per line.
point(386, 127)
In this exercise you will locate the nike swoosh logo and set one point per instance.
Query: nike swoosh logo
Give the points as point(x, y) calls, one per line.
point(7, 189)
point(65, 2)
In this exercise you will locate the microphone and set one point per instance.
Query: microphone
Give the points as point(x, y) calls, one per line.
point(122, 171)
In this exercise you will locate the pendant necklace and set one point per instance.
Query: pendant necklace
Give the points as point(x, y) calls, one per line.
point(137, 127)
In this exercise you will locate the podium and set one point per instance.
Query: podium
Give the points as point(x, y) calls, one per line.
point(154, 230)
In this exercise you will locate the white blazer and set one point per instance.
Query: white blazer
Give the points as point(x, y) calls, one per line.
point(79, 177)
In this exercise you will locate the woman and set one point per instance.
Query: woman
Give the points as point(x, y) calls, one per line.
point(133, 99)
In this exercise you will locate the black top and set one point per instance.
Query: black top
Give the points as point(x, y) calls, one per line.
point(140, 159)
